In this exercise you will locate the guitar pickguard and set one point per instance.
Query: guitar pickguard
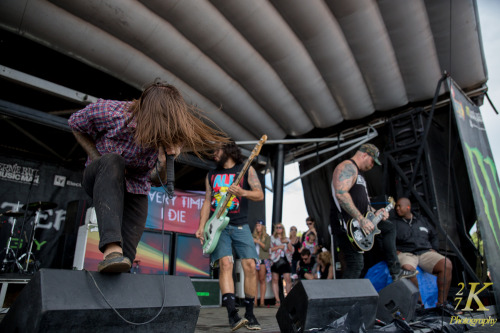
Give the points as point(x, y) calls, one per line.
point(213, 228)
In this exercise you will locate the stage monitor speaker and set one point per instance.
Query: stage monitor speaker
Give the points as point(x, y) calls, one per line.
point(398, 299)
point(69, 301)
point(317, 303)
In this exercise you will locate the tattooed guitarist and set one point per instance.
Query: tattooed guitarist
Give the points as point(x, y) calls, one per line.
point(237, 234)
point(351, 198)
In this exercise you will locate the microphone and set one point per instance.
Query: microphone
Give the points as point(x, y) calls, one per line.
point(170, 176)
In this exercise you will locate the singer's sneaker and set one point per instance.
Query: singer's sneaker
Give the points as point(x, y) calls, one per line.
point(114, 262)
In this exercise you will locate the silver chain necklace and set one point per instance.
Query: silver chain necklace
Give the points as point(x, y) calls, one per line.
point(410, 221)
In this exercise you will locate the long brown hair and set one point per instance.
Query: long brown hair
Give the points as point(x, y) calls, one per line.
point(263, 236)
point(164, 119)
point(233, 151)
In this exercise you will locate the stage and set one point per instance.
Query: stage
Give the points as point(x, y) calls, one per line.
point(214, 318)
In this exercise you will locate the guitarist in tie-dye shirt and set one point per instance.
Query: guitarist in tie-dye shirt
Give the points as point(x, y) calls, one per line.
point(237, 234)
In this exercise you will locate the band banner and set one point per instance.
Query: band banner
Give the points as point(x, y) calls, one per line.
point(483, 176)
point(179, 214)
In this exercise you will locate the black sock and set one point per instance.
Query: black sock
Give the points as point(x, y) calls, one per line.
point(228, 300)
point(249, 305)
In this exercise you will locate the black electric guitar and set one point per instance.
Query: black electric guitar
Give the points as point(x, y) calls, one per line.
point(358, 237)
point(219, 220)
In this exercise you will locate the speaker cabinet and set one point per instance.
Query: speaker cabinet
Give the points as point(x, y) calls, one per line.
point(317, 303)
point(69, 301)
point(398, 297)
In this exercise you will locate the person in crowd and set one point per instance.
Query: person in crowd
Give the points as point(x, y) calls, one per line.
point(417, 245)
point(127, 143)
point(311, 225)
point(325, 267)
point(350, 194)
point(262, 244)
point(237, 235)
point(310, 244)
point(295, 241)
point(281, 255)
point(306, 266)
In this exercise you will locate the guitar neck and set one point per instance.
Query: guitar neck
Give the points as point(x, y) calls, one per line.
point(241, 174)
point(379, 217)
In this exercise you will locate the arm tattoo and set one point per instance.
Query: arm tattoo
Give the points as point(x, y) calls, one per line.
point(349, 207)
point(344, 177)
point(347, 173)
point(253, 180)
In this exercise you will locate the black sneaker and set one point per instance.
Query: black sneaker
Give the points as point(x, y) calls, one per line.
point(404, 274)
point(252, 323)
point(235, 321)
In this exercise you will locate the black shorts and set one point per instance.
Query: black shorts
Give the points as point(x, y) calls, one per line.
point(282, 266)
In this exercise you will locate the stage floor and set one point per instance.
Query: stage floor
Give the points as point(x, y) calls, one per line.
point(215, 320)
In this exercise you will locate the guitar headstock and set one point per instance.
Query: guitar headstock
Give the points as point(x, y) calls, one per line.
point(391, 202)
point(258, 146)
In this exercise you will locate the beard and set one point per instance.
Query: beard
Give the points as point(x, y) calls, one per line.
point(222, 160)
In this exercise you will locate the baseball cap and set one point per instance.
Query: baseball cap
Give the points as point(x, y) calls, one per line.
point(371, 150)
point(260, 222)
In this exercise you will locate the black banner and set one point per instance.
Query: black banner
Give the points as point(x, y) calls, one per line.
point(23, 181)
point(483, 177)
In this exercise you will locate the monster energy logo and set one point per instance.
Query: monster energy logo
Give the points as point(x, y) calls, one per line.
point(486, 181)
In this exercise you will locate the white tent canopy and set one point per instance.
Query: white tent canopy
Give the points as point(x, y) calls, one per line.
point(278, 67)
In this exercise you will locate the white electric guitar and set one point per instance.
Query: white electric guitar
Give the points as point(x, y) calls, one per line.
point(219, 220)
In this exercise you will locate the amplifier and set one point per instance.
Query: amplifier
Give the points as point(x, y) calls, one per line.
point(208, 292)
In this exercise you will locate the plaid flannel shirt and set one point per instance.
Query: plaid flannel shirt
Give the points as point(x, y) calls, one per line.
point(107, 122)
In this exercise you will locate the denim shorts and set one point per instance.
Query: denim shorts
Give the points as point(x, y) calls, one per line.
point(238, 238)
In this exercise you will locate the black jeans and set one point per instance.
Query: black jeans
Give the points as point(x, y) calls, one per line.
point(388, 242)
point(353, 259)
point(121, 216)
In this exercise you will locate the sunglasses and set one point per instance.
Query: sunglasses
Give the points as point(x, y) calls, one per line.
point(279, 227)
point(310, 223)
point(293, 229)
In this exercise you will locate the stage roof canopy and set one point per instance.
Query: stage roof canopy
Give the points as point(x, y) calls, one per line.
point(284, 68)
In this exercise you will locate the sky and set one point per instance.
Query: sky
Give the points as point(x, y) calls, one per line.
point(294, 211)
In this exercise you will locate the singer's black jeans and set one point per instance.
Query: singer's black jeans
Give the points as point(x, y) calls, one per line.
point(121, 216)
